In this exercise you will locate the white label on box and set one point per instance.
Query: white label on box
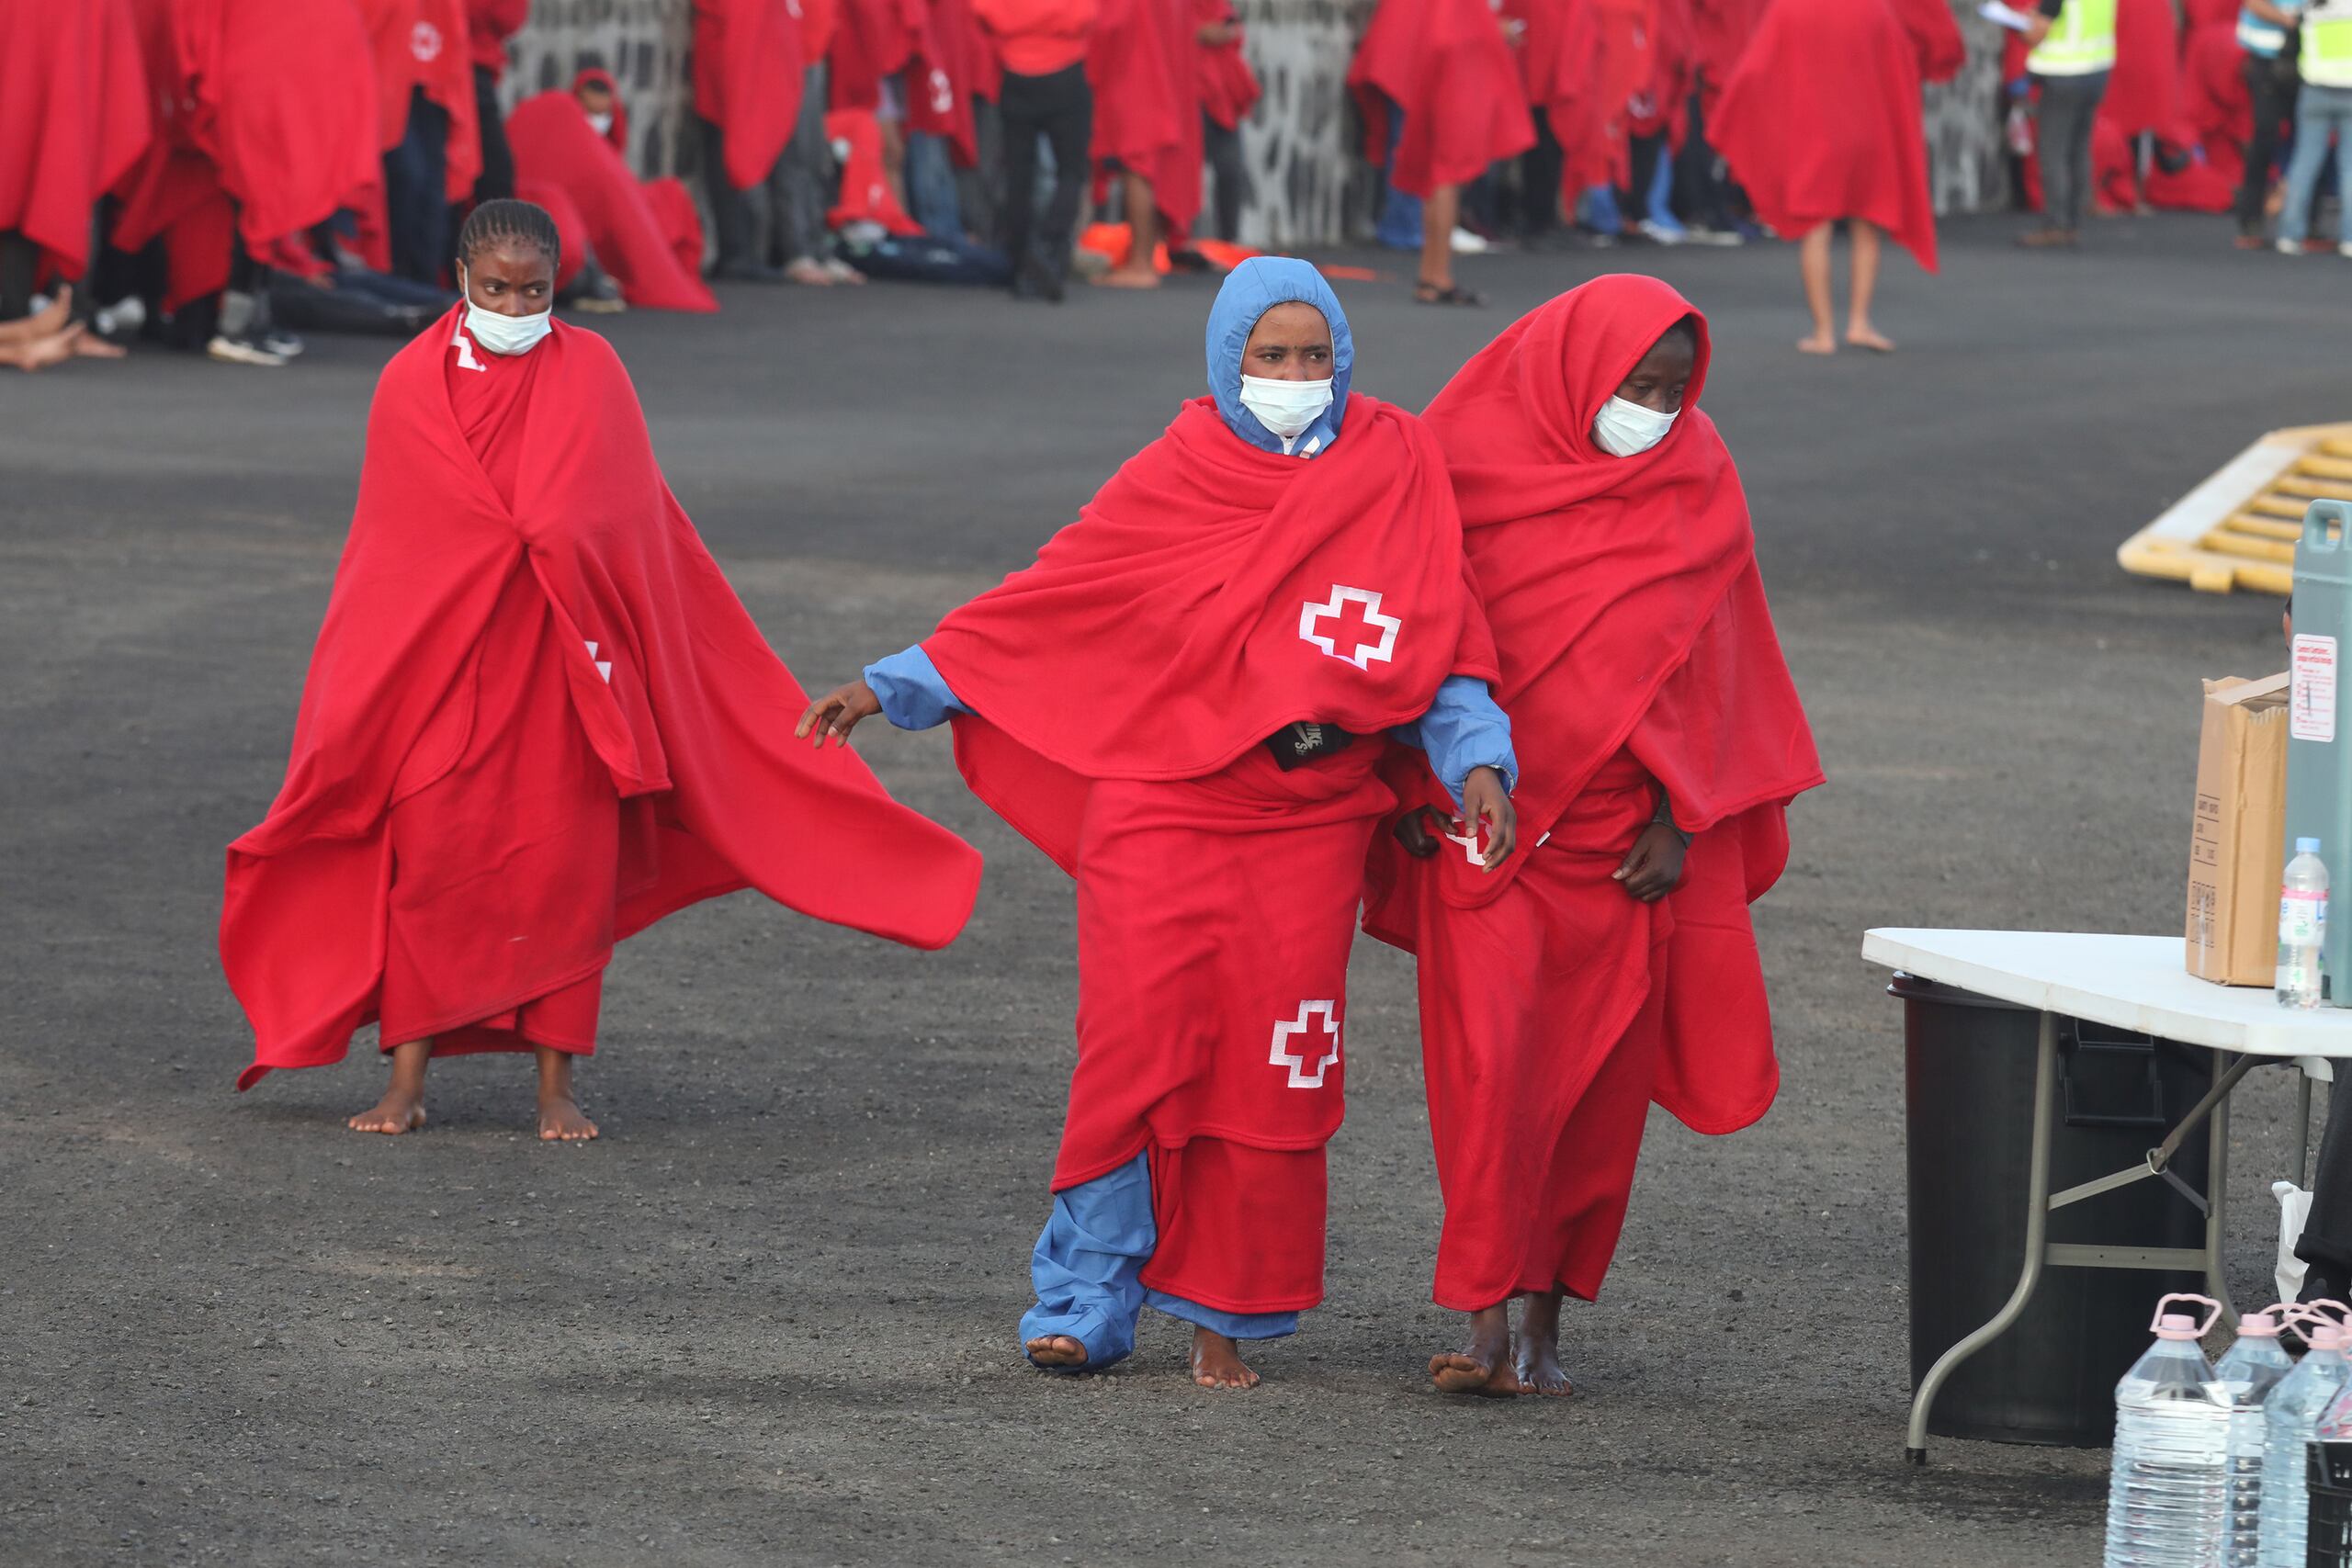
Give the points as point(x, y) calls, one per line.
point(2311, 711)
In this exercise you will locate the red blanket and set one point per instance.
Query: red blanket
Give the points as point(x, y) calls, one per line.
point(427, 44)
point(683, 701)
point(874, 39)
point(1719, 30)
point(73, 119)
point(1209, 595)
point(489, 24)
point(1146, 107)
point(1823, 118)
point(1183, 618)
point(555, 144)
point(748, 80)
point(1586, 63)
point(941, 78)
point(1628, 616)
point(2143, 90)
point(1445, 65)
point(1228, 88)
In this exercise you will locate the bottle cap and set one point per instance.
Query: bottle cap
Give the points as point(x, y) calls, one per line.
point(2307, 846)
point(2176, 1325)
point(2258, 1326)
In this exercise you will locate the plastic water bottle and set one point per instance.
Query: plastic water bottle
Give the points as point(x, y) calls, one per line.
point(2252, 1368)
point(2289, 1417)
point(2169, 1493)
point(2302, 926)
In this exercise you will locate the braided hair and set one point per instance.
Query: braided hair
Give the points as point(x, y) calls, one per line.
point(506, 221)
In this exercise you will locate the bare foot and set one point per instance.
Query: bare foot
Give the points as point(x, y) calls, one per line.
point(1869, 337)
point(1216, 1362)
point(1539, 1347)
point(560, 1121)
point(90, 345)
point(401, 1111)
point(1058, 1351)
point(1483, 1366)
point(1819, 343)
point(1539, 1371)
point(45, 322)
point(40, 353)
point(809, 273)
point(1130, 277)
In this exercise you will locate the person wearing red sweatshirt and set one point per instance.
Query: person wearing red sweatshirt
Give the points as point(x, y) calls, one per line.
point(1042, 46)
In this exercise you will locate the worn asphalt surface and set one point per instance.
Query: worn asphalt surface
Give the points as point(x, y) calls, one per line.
point(769, 1317)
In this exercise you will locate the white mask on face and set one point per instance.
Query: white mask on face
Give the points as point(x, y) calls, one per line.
point(602, 123)
point(505, 335)
point(1285, 408)
point(1626, 429)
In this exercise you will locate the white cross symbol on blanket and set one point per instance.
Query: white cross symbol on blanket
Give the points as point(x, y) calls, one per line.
point(1319, 1055)
point(1367, 635)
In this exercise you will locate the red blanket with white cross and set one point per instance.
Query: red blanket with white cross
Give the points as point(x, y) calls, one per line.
point(1210, 595)
point(688, 710)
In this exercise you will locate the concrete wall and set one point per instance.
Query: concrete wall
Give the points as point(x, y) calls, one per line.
point(1309, 185)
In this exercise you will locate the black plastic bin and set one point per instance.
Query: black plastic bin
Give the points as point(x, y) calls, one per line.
point(1968, 1106)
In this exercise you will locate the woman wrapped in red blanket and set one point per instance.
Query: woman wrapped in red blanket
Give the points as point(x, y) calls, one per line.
point(1180, 701)
point(537, 720)
point(1613, 964)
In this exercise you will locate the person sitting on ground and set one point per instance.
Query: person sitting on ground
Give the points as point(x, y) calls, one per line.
point(537, 720)
point(1613, 963)
point(1178, 702)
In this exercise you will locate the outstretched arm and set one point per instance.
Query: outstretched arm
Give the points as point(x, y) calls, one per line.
point(906, 688)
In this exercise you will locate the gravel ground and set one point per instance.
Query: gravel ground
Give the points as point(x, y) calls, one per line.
point(768, 1318)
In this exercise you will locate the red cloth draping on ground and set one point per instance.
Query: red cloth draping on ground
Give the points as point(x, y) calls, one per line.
point(1823, 118)
point(2198, 188)
point(73, 119)
point(689, 713)
point(489, 24)
point(1637, 652)
point(748, 81)
point(1628, 616)
point(1228, 88)
point(1445, 66)
point(866, 192)
point(427, 44)
point(554, 143)
point(1125, 683)
point(2143, 90)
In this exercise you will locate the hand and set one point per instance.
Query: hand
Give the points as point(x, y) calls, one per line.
point(1654, 867)
point(1216, 35)
point(1484, 798)
point(2036, 30)
point(837, 713)
point(1412, 831)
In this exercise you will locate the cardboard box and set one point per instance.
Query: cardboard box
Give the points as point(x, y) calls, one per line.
point(2238, 853)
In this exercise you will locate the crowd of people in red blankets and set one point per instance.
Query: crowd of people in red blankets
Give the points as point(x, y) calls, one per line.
point(168, 160)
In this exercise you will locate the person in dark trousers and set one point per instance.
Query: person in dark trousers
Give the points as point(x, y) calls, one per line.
point(2073, 53)
point(489, 23)
point(1042, 44)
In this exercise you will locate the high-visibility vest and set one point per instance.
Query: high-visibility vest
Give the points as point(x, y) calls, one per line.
point(2081, 41)
point(2327, 46)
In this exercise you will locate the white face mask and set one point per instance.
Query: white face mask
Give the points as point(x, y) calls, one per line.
point(602, 123)
point(1285, 408)
point(505, 335)
point(1624, 429)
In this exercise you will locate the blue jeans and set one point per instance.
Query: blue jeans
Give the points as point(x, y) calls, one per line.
point(2320, 113)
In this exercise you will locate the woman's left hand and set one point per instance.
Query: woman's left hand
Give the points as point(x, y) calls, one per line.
point(1484, 798)
point(1653, 869)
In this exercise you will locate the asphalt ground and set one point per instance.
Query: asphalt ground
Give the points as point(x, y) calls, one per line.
point(769, 1317)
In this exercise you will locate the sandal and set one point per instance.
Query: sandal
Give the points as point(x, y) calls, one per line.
point(1431, 294)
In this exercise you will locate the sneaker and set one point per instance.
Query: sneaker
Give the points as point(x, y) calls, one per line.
point(2288, 247)
point(1466, 244)
point(121, 318)
point(1663, 234)
point(242, 351)
point(1717, 237)
point(281, 343)
point(2345, 249)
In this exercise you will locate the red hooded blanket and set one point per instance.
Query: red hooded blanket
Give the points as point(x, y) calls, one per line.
point(672, 204)
point(1823, 120)
point(1210, 595)
point(684, 706)
point(74, 117)
point(554, 144)
point(748, 81)
point(1636, 653)
point(1445, 66)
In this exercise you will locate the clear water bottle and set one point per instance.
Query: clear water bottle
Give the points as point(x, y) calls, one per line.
point(2169, 1492)
point(2302, 926)
point(2252, 1368)
point(2289, 1417)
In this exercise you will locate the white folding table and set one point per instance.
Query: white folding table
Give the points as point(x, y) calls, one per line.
point(2139, 983)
